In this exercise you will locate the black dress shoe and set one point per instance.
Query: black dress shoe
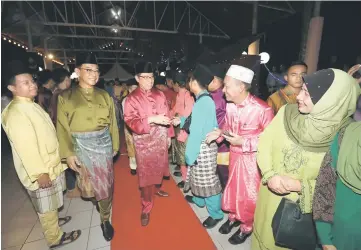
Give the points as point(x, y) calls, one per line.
point(181, 184)
point(239, 237)
point(178, 174)
point(226, 228)
point(108, 230)
point(144, 219)
point(167, 178)
point(210, 222)
point(177, 168)
point(133, 172)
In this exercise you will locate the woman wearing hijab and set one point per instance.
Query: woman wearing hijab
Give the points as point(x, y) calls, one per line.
point(337, 200)
point(292, 147)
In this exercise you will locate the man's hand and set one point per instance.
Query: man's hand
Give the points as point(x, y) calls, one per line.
point(276, 184)
point(291, 184)
point(73, 163)
point(234, 139)
point(176, 121)
point(328, 247)
point(214, 135)
point(169, 141)
point(159, 119)
point(115, 153)
point(353, 70)
point(44, 181)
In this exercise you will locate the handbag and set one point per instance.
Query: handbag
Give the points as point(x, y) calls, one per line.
point(292, 229)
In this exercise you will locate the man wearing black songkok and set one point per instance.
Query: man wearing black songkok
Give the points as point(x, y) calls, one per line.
point(89, 137)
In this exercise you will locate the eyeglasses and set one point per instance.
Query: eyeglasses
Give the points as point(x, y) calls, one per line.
point(97, 72)
point(147, 77)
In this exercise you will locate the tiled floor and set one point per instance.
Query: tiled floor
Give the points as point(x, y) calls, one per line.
point(20, 228)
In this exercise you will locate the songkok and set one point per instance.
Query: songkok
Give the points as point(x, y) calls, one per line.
point(143, 67)
point(15, 68)
point(131, 82)
point(318, 83)
point(170, 74)
point(160, 80)
point(85, 58)
point(203, 75)
point(218, 70)
point(180, 78)
point(240, 73)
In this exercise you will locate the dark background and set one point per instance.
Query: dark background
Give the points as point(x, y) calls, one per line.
point(341, 33)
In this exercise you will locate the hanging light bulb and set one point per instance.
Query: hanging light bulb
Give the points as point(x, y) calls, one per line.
point(19, 45)
point(4, 38)
point(9, 41)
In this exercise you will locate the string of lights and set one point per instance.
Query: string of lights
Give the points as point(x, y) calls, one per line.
point(22, 45)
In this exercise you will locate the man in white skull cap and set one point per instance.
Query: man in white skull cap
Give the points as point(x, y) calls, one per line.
point(246, 118)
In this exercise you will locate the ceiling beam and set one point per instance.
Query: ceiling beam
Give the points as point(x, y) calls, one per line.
point(83, 25)
point(90, 50)
point(267, 6)
point(77, 36)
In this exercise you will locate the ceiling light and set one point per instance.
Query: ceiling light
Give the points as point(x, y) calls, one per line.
point(50, 56)
point(9, 41)
point(4, 38)
point(14, 42)
point(19, 45)
point(119, 12)
point(26, 47)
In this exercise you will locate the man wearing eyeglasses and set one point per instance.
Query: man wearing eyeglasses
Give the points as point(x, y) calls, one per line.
point(89, 137)
point(146, 113)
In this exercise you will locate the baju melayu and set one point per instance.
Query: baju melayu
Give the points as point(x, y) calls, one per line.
point(35, 150)
point(150, 141)
point(201, 157)
point(87, 128)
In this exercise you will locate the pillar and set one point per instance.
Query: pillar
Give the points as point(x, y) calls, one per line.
point(253, 48)
point(314, 39)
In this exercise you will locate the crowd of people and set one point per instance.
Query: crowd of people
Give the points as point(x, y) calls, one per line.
point(237, 155)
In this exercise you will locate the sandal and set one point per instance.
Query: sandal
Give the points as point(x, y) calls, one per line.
point(68, 238)
point(63, 221)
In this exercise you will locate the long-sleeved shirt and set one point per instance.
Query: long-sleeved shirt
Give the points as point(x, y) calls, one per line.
point(281, 98)
point(33, 141)
point(204, 120)
point(170, 95)
point(184, 103)
point(221, 104)
point(84, 110)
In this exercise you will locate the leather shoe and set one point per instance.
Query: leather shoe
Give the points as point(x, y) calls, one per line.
point(239, 237)
point(181, 184)
point(226, 228)
point(133, 172)
point(178, 174)
point(167, 178)
point(210, 222)
point(144, 219)
point(108, 230)
point(161, 193)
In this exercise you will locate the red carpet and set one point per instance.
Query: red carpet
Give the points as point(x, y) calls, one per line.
point(173, 225)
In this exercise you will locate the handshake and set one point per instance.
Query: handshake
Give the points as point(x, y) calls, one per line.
point(162, 119)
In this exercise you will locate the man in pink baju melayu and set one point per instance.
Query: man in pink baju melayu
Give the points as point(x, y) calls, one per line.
point(246, 118)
